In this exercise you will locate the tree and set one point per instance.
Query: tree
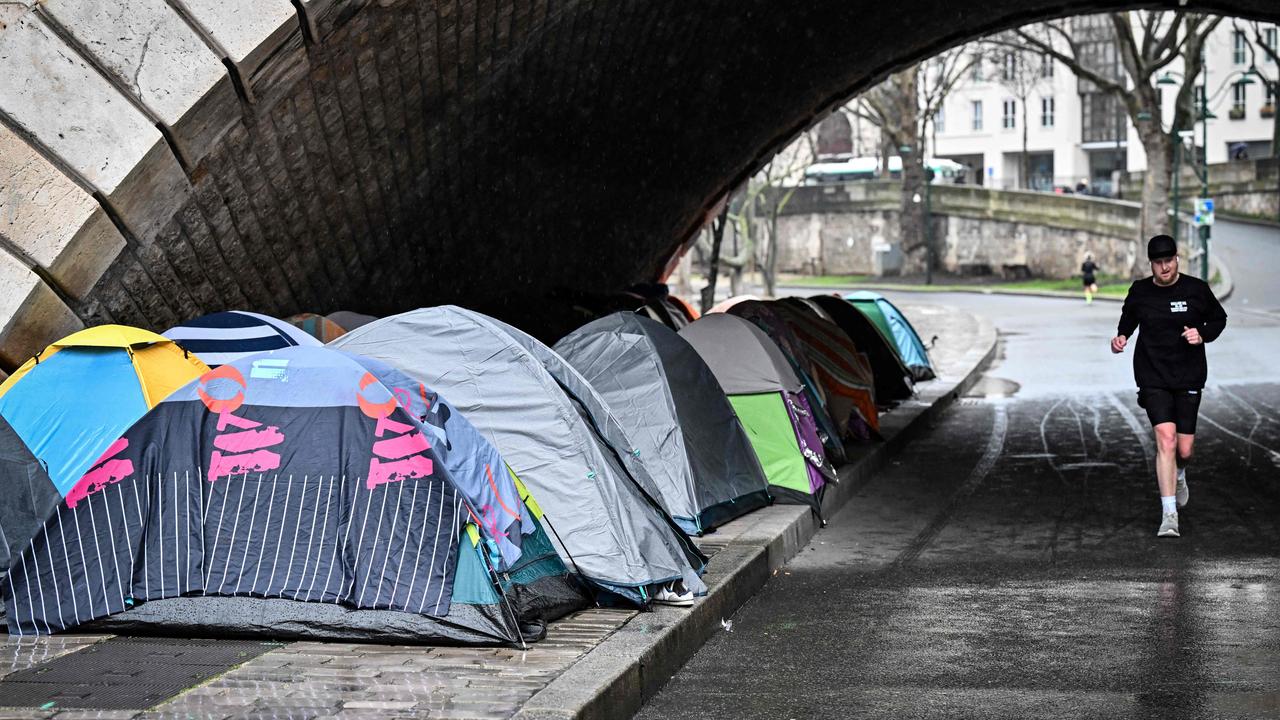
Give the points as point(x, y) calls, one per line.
point(904, 107)
point(1093, 46)
point(1021, 75)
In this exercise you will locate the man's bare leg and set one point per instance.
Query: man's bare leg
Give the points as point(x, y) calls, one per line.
point(1166, 458)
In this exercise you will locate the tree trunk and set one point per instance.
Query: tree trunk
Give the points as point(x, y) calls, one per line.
point(713, 270)
point(1156, 182)
point(1026, 164)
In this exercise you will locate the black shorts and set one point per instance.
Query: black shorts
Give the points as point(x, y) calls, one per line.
point(1180, 407)
point(1090, 280)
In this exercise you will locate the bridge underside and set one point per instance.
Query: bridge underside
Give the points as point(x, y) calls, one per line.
point(376, 157)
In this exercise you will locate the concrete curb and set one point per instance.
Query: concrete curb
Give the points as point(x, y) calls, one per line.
point(615, 678)
point(976, 290)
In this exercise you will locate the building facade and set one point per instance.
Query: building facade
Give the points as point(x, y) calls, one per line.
point(1076, 135)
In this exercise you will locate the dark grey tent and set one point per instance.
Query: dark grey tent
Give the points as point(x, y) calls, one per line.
point(893, 380)
point(673, 409)
point(27, 495)
point(558, 436)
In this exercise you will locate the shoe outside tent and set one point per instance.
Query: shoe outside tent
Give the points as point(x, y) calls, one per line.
point(673, 409)
point(897, 329)
point(287, 494)
point(223, 337)
point(557, 435)
point(764, 317)
point(844, 372)
point(893, 380)
point(769, 401)
point(70, 402)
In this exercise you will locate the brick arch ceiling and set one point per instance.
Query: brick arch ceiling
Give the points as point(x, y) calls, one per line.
point(160, 159)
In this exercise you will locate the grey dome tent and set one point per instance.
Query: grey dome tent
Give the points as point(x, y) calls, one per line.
point(27, 495)
point(674, 410)
point(557, 435)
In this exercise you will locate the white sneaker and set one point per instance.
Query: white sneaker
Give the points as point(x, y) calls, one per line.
point(1183, 492)
point(1168, 526)
point(667, 595)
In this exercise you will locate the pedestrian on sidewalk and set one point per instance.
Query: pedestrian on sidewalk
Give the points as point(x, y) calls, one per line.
point(1088, 269)
point(1175, 315)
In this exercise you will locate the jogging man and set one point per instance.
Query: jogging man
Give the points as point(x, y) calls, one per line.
point(1175, 315)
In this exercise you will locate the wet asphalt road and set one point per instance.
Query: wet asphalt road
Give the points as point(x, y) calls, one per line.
point(1006, 565)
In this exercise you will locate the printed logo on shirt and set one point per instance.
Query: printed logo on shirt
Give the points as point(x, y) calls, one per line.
point(1177, 306)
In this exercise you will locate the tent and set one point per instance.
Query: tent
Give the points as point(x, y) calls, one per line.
point(893, 379)
point(843, 371)
point(673, 409)
point(317, 326)
point(222, 337)
point(764, 317)
point(70, 402)
point(896, 328)
point(557, 435)
point(27, 495)
point(768, 398)
point(288, 493)
point(348, 320)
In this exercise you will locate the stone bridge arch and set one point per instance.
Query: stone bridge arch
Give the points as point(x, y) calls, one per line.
point(164, 158)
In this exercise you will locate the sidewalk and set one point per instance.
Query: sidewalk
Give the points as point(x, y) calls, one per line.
point(595, 664)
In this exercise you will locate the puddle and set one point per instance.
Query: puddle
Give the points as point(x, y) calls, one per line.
point(989, 387)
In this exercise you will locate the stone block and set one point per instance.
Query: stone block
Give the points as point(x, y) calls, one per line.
point(56, 97)
point(147, 47)
point(53, 220)
point(31, 315)
point(249, 30)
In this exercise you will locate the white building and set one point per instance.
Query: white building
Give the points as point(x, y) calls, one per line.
point(1075, 134)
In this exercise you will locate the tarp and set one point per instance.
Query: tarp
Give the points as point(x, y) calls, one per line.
point(557, 435)
point(896, 328)
point(222, 337)
point(764, 390)
point(293, 475)
point(672, 407)
point(70, 402)
point(764, 317)
point(27, 495)
point(844, 372)
point(893, 379)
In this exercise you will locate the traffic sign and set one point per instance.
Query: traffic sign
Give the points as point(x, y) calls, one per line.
point(1204, 212)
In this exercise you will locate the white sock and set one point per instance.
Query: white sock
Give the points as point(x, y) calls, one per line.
point(1169, 504)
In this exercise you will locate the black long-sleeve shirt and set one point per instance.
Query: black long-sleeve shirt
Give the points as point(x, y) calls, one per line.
point(1163, 358)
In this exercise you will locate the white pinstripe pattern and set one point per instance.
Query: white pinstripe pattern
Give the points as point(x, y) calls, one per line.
point(360, 543)
point(115, 557)
point(248, 541)
point(160, 527)
point(177, 554)
point(44, 610)
point(297, 525)
point(422, 534)
point(288, 490)
point(453, 539)
point(395, 518)
point(186, 483)
point(75, 606)
point(204, 510)
point(266, 528)
point(404, 547)
point(231, 542)
point(124, 519)
point(337, 597)
point(142, 532)
point(311, 536)
point(382, 513)
point(217, 536)
point(53, 574)
point(27, 578)
point(328, 503)
point(435, 542)
point(13, 597)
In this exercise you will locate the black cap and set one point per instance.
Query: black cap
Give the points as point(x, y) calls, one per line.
point(1161, 247)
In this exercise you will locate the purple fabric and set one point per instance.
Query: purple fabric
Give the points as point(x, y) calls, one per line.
point(810, 445)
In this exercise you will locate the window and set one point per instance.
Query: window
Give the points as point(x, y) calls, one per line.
point(940, 120)
point(1239, 94)
point(1238, 47)
point(975, 70)
point(976, 106)
point(1269, 38)
point(1046, 112)
point(1009, 68)
point(1046, 66)
point(1009, 118)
